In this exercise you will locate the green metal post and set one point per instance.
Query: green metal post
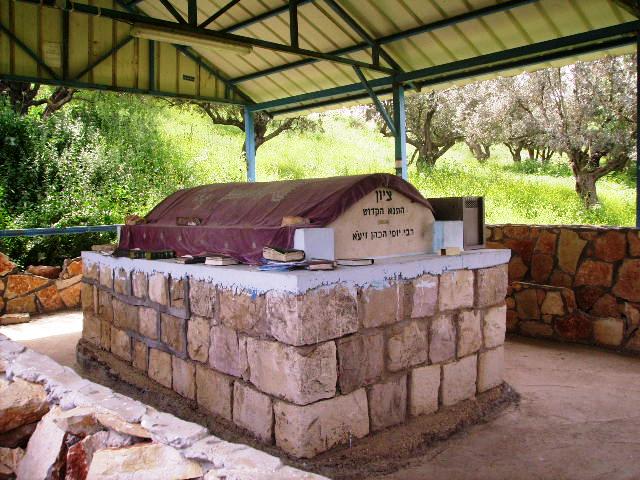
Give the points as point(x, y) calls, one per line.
point(637, 131)
point(400, 123)
point(250, 144)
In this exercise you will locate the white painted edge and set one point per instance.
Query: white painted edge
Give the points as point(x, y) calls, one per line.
point(249, 278)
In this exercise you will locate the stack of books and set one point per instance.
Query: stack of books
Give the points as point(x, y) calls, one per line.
point(285, 259)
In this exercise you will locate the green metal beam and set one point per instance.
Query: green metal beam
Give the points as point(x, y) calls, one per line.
point(174, 13)
point(376, 101)
point(36, 58)
point(103, 57)
point(219, 13)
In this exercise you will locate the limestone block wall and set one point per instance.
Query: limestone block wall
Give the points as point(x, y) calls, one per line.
point(306, 369)
point(588, 276)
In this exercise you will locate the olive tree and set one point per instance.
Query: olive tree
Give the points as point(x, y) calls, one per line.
point(23, 96)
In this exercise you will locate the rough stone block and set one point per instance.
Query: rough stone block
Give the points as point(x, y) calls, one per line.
point(552, 304)
point(90, 328)
point(360, 360)
point(490, 369)
point(318, 315)
point(159, 289)
point(301, 375)
point(106, 276)
point(425, 296)
point(148, 322)
point(18, 285)
point(442, 339)
point(202, 298)
point(594, 274)
point(407, 345)
point(105, 306)
point(517, 269)
point(6, 265)
point(469, 332)
point(608, 331)
point(89, 298)
point(570, 248)
point(105, 335)
point(628, 283)
point(25, 304)
point(577, 326)
point(184, 377)
point(173, 332)
point(253, 411)
point(305, 431)
point(121, 282)
point(198, 336)
point(214, 391)
point(49, 299)
point(492, 286)
point(120, 344)
point(140, 356)
point(494, 326)
point(536, 329)
point(424, 385)
point(606, 306)
point(541, 267)
point(459, 380)
point(228, 351)
point(456, 290)
point(139, 284)
point(381, 305)
point(160, 367)
point(634, 243)
point(388, 403)
point(243, 311)
point(125, 316)
point(91, 271)
point(70, 296)
point(527, 304)
point(611, 246)
point(546, 243)
point(178, 292)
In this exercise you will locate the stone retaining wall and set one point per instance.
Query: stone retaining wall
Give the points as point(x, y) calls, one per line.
point(304, 371)
point(588, 276)
point(54, 424)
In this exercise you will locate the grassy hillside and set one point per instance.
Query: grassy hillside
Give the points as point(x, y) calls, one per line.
point(526, 193)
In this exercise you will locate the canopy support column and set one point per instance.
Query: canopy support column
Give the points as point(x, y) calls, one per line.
point(637, 130)
point(250, 144)
point(400, 126)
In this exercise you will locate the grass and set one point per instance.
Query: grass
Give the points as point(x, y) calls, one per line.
point(525, 193)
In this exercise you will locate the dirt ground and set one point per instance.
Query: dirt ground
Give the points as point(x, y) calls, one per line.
point(578, 417)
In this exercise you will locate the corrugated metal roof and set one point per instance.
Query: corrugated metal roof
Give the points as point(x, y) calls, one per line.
point(434, 44)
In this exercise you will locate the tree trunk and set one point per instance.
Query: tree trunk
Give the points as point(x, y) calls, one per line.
point(515, 151)
point(532, 153)
point(480, 151)
point(586, 188)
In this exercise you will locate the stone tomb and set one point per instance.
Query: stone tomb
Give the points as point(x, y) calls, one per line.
point(306, 360)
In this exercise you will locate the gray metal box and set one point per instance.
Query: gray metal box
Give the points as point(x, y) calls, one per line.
point(470, 210)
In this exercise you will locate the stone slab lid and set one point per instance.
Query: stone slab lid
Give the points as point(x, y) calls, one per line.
point(238, 219)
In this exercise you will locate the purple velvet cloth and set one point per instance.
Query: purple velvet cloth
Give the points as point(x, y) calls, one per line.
point(238, 219)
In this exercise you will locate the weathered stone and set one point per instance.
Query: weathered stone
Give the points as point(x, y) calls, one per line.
point(45, 271)
point(120, 344)
point(517, 269)
point(611, 246)
point(178, 292)
point(491, 286)
point(516, 231)
point(456, 290)
point(18, 437)
point(184, 377)
point(121, 282)
point(91, 328)
point(14, 318)
point(214, 391)
point(541, 267)
point(125, 316)
point(469, 332)
point(9, 460)
point(628, 284)
point(494, 326)
point(160, 367)
point(527, 304)
point(606, 306)
point(512, 321)
point(140, 356)
point(407, 345)
point(388, 403)
point(522, 247)
point(561, 279)
point(159, 288)
point(80, 454)
point(235, 461)
point(306, 431)
point(586, 297)
point(301, 375)
point(570, 248)
point(139, 284)
point(172, 431)
point(243, 311)
point(148, 322)
point(253, 411)
point(594, 273)
point(546, 243)
point(320, 314)
point(425, 296)
point(576, 326)
point(381, 306)
point(198, 338)
point(105, 306)
point(105, 336)
point(91, 271)
point(70, 296)
point(202, 298)
point(6, 265)
point(228, 351)
point(106, 276)
point(68, 282)
point(25, 304)
point(146, 461)
point(18, 285)
point(632, 312)
point(21, 403)
point(490, 369)
point(89, 298)
point(553, 304)
point(173, 332)
point(42, 458)
point(633, 237)
point(72, 268)
point(608, 331)
point(459, 380)
point(49, 299)
point(424, 385)
point(442, 339)
point(360, 360)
